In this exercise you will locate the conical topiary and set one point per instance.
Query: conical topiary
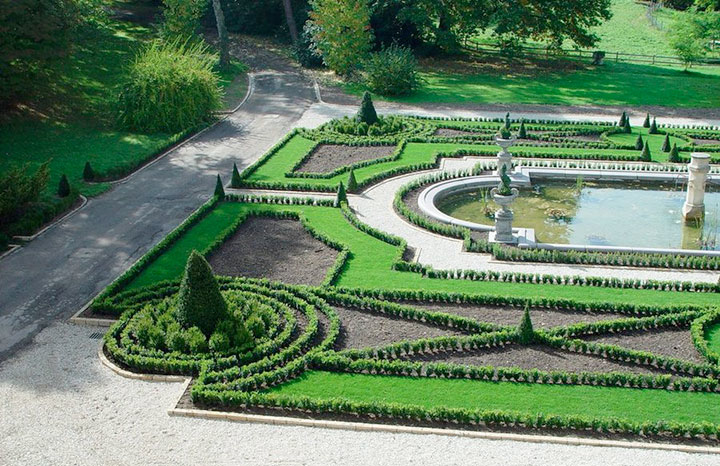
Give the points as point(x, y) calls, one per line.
point(199, 302)
point(63, 186)
point(503, 188)
point(352, 182)
point(627, 128)
point(646, 123)
point(219, 190)
point(522, 134)
point(645, 155)
point(639, 142)
point(623, 119)
point(507, 120)
point(235, 180)
point(666, 144)
point(367, 113)
point(526, 332)
point(341, 195)
point(653, 127)
point(88, 172)
point(674, 154)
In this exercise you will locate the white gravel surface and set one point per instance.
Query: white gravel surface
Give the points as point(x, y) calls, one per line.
point(59, 405)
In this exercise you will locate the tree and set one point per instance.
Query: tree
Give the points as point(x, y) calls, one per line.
point(19, 188)
point(219, 190)
point(639, 142)
point(181, 18)
point(666, 144)
point(199, 302)
point(223, 41)
point(688, 38)
point(341, 33)
point(526, 332)
point(290, 19)
point(367, 113)
point(352, 185)
point(235, 181)
point(645, 155)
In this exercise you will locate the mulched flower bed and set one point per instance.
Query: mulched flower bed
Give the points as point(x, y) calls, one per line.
point(274, 249)
point(539, 357)
point(541, 318)
point(676, 343)
point(362, 329)
point(326, 158)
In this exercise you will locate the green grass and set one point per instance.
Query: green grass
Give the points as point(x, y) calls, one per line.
point(637, 405)
point(655, 142)
point(370, 263)
point(611, 84)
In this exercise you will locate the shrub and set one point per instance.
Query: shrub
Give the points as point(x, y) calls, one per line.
point(18, 189)
point(674, 154)
point(639, 142)
point(235, 181)
point(171, 87)
point(666, 144)
point(653, 127)
point(63, 187)
point(367, 113)
point(522, 134)
point(392, 71)
point(646, 123)
point(525, 329)
point(181, 18)
point(507, 121)
point(352, 182)
point(88, 172)
point(196, 340)
point(503, 188)
point(199, 302)
point(304, 52)
point(219, 342)
point(219, 190)
point(645, 156)
point(341, 195)
point(256, 326)
point(623, 120)
point(626, 128)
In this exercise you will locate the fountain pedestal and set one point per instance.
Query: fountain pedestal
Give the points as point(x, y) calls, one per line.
point(503, 217)
point(698, 169)
point(504, 158)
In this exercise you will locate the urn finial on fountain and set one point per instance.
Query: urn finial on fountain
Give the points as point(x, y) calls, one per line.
point(504, 139)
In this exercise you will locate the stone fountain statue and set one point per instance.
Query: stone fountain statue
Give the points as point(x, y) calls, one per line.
point(698, 169)
point(504, 139)
point(504, 195)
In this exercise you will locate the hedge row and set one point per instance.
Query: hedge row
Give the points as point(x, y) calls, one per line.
point(699, 329)
point(292, 173)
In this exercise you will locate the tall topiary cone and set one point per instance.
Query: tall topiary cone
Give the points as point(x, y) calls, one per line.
point(63, 187)
point(674, 154)
point(522, 133)
point(341, 195)
point(646, 123)
point(507, 120)
point(352, 182)
point(645, 156)
point(525, 329)
point(199, 302)
point(653, 127)
point(88, 172)
point(367, 113)
point(639, 143)
point(235, 180)
point(219, 190)
point(666, 144)
point(623, 119)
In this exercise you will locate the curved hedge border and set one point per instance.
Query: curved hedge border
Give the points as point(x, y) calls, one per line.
point(698, 330)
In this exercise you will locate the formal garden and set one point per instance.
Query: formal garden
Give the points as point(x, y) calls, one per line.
point(287, 303)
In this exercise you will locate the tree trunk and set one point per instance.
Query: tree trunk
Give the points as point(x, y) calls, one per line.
point(290, 18)
point(222, 34)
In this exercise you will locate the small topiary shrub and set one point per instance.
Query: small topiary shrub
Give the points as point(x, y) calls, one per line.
point(384, 126)
point(88, 172)
point(63, 186)
point(171, 87)
point(646, 123)
point(666, 144)
point(627, 128)
point(352, 185)
point(503, 188)
point(507, 121)
point(623, 120)
point(392, 71)
point(653, 127)
point(235, 181)
point(674, 155)
point(219, 189)
point(639, 142)
point(341, 195)
point(645, 156)
point(525, 329)
point(522, 134)
point(199, 302)
point(367, 113)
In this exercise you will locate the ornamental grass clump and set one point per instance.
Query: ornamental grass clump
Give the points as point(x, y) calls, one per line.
point(199, 302)
point(171, 87)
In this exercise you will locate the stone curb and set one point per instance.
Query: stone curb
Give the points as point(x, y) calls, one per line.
point(132, 375)
point(47, 227)
point(11, 249)
point(401, 429)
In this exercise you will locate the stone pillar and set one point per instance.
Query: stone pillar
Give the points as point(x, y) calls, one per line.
point(503, 217)
point(504, 157)
point(698, 169)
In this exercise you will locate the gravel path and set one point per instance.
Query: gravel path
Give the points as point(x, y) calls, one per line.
point(61, 406)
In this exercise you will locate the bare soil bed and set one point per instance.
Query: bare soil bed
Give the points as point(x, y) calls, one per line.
point(706, 142)
point(538, 357)
point(453, 133)
point(541, 318)
point(362, 329)
point(326, 158)
point(274, 249)
point(676, 343)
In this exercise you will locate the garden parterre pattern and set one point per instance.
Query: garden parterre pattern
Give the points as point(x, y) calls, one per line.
point(386, 327)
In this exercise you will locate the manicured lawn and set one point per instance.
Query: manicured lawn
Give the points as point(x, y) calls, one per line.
point(637, 405)
point(370, 263)
point(655, 142)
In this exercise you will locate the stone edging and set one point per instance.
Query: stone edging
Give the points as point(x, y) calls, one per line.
point(402, 429)
point(11, 249)
point(64, 217)
point(132, 375)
